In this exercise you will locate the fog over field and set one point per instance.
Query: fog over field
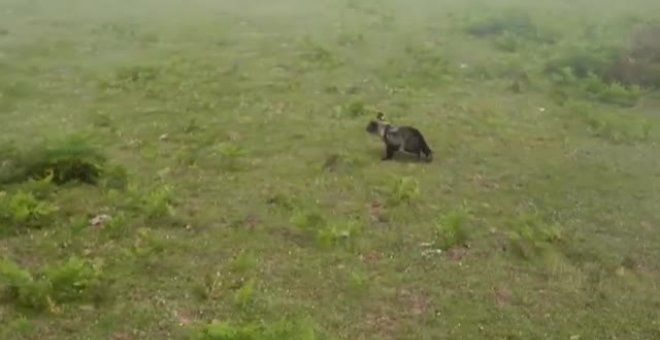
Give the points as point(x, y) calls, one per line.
point(258, 169)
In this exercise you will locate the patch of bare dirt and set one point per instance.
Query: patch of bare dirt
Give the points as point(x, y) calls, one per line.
point(502, 296)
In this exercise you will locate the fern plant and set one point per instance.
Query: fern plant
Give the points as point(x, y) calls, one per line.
point(159, 203)
point(23, 210)
point(451, 230)
point(403, 190)
point(75, 280)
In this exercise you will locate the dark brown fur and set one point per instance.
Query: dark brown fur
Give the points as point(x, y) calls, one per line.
point(399, 138)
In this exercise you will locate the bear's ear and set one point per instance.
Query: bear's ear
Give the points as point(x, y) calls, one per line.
point(380, 116)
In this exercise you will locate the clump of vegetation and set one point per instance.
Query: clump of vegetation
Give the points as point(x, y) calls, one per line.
point(115, 177)
point(529, 237)
point(595, 88)
point(350, 39)
point(612, 74)
point(41, 188)
point(159, 202)
point(228, 331)
point(76, 280)
point(358, 282)
point(231, 155)
point(244, 296)
point(147, 247)
point(127, 77)
point(582, 62)
point(20, 327)
point(451, 230)
point(615, 93)
point(115, 226)
point(244, 262)
point(513, 23)
point(507, 42)
point(327, 234)
point(618, 128)
point(639, 64)
point(317, 54)
point(403, 190)
point(353, 109)
point(307, 219)
point(335, 233)
point(209, 288)
point(613, 126)
point(70, 159)
point(283, 201)
point(297, 328)
point(22, 210)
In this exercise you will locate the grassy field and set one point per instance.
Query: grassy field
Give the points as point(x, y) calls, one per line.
point(201, 170)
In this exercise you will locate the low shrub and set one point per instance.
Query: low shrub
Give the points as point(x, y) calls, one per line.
point(159, 203)
point(22, 210)
point(71, 281)
point(530, 237)
point(69, 159)
point(512, 22)
point(582, 62)
point(639, 64)
point(403, 190)
point(291, 328)
point(336, 233)
point(451, 230)
point(594, 87)
point(231, 155)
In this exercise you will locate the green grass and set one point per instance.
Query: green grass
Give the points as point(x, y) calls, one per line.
point(202, 171)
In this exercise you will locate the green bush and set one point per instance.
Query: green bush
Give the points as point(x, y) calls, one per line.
point(512, 22)
point(614, 126)
point(147, 245)
point(244, 296)
point(582, 62)
point(353, 109)
point(286, 328)
point(228, 331)
point(159, 203)
point(507, 42)
point(618, 127)
point(72, 158)
point(244, 262)
point(75, 280)
point(231, 154)
point(574, 83)
point(21, 288)
point(18, 328)
point(530, 237)
point(620, 95)
point(451, 231)
point(307, 220)
point(635, 65)
point(403, 190)
point(115, 177)
point(23, 210)
point(639, 63)
point(332, 235)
